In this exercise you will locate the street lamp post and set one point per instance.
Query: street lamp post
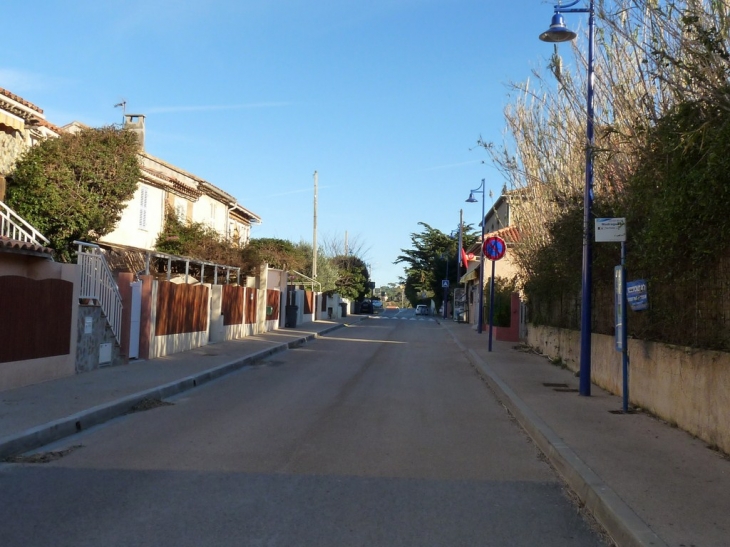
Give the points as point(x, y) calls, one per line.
point(472, 199)
point(558, 32)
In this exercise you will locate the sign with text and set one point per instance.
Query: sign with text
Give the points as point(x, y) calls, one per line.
point(610, 230)
point(637, 295)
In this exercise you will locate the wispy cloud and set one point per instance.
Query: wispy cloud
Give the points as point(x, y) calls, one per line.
point(210, 108)
point(449, 166)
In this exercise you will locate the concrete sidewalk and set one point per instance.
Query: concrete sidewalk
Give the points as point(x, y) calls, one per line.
point(646, 482)
point(35, 415)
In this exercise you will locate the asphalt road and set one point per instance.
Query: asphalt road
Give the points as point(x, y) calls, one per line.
point(381, 434)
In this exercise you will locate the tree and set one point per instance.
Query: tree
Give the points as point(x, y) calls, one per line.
point(433, 254)
point(75, 187)
point(352, 278)
point(278, 253)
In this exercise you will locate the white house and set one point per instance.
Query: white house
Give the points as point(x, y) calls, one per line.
point(193, 199)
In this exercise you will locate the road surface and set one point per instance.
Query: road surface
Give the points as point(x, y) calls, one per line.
point(381, 434)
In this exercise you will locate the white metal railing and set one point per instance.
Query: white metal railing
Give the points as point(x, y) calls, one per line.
point(97, 283)
point(15, 227)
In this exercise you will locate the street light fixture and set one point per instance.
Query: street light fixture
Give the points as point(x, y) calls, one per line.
point(472, 199)
point(558, 32)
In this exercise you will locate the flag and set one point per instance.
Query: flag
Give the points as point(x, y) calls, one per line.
point(464, 258)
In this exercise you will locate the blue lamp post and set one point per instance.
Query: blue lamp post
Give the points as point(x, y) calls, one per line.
point(558, 32)
point(472, 199)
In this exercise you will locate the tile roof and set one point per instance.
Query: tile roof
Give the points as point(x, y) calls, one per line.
point(23, 247)
point(49, 125)
point(510, 234)
point(20, 100)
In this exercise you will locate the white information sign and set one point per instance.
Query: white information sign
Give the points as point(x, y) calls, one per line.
point(610, 230)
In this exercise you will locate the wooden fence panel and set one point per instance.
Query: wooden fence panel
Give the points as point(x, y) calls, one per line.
point(232, 305)
point(308, 302)
point(181, 308)
point(35, 318)
point(272, 303)
point(250, 296)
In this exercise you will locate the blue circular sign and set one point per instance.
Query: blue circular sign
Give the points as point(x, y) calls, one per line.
point(494, 248)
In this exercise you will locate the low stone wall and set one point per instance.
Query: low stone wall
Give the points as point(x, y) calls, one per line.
point(686, 387)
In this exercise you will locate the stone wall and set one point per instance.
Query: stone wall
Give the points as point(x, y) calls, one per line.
point(93, 331)
point(12, 145)
point(686, 387)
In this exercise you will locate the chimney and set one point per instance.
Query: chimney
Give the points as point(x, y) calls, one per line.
point(135, 123)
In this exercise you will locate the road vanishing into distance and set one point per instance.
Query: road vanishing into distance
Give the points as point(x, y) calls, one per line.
point(380, 434)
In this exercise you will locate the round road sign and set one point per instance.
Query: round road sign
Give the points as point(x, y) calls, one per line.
point(494, 248)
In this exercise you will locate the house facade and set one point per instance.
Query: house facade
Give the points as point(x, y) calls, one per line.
point(499, 222)
point(164, 187)
point(22, 124)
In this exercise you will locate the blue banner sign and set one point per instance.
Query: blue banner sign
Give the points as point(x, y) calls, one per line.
point(637, 295)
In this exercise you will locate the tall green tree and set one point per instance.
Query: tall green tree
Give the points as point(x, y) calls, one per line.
point(432, 259)
point(77, 185)
point(352, 277)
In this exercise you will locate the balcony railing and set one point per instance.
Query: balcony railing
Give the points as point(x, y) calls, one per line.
point(14, 227)
point(98, 285)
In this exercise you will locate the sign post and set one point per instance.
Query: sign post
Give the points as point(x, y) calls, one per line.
point(612, 230)
point(494, 249)
point(445, 287)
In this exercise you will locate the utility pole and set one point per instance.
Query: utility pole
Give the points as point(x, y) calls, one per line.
point(346, 249)
point(314, 235)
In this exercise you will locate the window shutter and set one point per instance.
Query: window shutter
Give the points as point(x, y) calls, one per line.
point(143, 207)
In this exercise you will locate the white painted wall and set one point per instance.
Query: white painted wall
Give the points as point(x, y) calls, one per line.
point(138, 229)
point(211, 213)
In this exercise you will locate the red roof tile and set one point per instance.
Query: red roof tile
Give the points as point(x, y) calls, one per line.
point(23, 247)
point(20, 100)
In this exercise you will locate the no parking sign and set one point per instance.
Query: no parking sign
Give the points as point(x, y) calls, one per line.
point(494, 248)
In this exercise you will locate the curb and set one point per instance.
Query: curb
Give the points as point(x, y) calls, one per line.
point(621, 523)
point(36, 437)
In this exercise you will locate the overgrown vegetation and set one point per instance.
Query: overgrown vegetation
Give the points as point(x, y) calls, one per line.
point(199, 241)
point(660, 158)
point(346, 275)
point(75, 186)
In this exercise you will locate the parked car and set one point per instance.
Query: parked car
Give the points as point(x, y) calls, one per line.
point(366, 306)
point(422, 309)
point(377, 306)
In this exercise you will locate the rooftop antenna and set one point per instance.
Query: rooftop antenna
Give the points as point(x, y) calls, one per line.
point(123, 104)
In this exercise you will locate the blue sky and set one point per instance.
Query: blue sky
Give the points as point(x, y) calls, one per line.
point(386, 99)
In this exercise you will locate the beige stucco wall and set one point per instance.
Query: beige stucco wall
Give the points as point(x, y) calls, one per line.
point(686, 387)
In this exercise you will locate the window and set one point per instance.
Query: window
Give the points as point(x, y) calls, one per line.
point(213, 215)
point(143, 196)
point(180, 209)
